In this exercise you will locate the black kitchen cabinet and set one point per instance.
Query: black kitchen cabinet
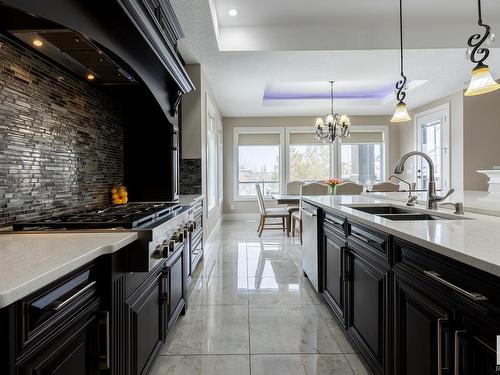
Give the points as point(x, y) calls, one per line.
point(176, 285)
point(335, 272)
point(423, 324)
point(74, 352)
point(368, 308)
point(475, 346)
point(145, 328)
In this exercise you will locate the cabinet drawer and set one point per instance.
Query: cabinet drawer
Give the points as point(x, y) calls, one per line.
point(467, 285)
point(46, 310)
point(335, 224)
point(376, 242)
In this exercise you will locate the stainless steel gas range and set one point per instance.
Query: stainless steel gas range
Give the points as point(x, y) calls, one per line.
point(161, 226)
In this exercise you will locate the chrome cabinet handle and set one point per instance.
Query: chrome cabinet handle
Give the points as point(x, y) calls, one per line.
point(60, 305)
point(472, 295)
point(439, 345)
point(457, 351)
point(104, 359)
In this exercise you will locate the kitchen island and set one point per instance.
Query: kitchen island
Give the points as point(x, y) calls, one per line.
point(417, 294)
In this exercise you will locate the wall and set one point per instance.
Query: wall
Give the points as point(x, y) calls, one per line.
point(60, 138)
point(482, 132)
point(238, 207)
point(194, 128)
point(408, 142)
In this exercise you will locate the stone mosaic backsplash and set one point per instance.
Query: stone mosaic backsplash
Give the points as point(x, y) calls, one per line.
point(190, 176)
point(61, 140)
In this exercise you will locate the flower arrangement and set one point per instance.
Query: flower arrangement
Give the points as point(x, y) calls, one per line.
point(333, 182)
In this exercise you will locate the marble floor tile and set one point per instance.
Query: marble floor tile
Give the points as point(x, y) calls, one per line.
point(282, 270)
point(300, 364)
point(289, 329)
point(218, 291)
point(210, 330)
point(358, 365)
point(337, 331)
point(218, 267)
point(202, 365)
point(269, 291)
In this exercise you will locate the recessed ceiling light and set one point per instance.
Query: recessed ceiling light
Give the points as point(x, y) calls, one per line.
point(233, 12)
point(37, 42)
point(90, 76)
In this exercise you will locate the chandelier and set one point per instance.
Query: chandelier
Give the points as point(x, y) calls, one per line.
point(334, 126)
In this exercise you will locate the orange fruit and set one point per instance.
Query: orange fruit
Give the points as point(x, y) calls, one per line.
point(115, 197)
point(123, 193)
point(117, 201)
point(124, 200)
point(114, 190)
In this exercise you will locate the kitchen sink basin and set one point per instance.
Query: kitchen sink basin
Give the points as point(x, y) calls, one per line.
point(383, 210)
point(413, 217)
point(404, 214)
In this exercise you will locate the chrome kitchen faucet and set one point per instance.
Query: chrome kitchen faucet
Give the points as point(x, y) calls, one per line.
point(432, 198)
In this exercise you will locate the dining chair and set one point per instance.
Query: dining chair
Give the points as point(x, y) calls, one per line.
point(385, 186)
point(314, 188)
point(271, 213)
point(348, 188)
point(293, 188)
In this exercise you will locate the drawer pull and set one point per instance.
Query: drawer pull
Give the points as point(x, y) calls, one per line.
point(472, 295)
point(365, 240)
point(60, 305)
point(439, 344)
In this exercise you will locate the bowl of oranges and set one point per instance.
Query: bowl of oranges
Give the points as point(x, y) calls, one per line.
point(119, 195)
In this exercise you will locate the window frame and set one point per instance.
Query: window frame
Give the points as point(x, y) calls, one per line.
point(384, 129)
point(257, 130)
point(444, 111)
point(211, 121)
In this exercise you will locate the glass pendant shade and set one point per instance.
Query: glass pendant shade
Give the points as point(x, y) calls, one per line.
point(481, 82)
point(320, 123)
point(329, 119)
point(344, 120)
point(401, 113)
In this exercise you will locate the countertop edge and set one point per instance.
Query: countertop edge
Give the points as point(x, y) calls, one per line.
point(22, 290)
point(439, 249)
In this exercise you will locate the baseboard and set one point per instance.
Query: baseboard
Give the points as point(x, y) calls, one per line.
point(214, 229)
point(241, 217)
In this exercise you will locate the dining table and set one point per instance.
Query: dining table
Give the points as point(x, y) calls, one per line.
point(289, 199)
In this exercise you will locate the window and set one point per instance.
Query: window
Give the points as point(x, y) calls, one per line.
point(433, 139)
point(362, 158)
point(258, 161)
point(220, 163)
point(212, 153)
point(309, 159)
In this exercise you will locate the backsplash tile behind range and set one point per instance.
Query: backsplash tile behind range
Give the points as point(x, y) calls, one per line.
point(190, 176)
point(61, 140)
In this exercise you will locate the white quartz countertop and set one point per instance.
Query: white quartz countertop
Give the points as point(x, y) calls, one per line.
point(188, 199)
point(475, 242)
point(30, 261)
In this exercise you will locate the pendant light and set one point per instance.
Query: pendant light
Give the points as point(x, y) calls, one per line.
point(334, 127)
point(401, 113)
point(481, 81)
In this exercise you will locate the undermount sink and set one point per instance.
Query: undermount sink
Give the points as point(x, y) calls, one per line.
point(404, 214)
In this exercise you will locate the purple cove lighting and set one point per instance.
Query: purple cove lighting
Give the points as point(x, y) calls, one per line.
point(373, 94)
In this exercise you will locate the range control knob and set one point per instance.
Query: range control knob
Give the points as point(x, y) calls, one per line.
point(178, 236)
point(158, 252)
point(171, 245)
point(186, 232)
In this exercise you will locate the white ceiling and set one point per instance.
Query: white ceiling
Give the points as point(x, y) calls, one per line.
point(294, 40)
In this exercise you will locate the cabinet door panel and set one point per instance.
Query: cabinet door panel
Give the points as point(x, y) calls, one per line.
point(422, 344)
point(145, 327)
point(334, 274)
point(368, 309)
point(74, 353)
point(367, 303)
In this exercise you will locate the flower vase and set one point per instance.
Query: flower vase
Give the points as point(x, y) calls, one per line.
point(333, 189)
